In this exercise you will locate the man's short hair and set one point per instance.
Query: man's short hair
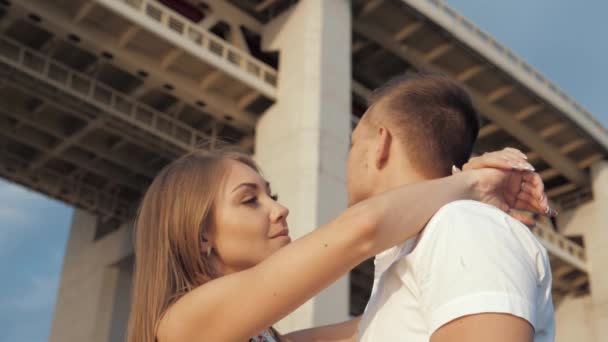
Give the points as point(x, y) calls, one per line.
point(432, 115)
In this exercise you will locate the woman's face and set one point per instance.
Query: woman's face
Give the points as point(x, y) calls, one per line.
point(250, 224)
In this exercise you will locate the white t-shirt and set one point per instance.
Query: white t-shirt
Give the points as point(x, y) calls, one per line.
point(471, 258)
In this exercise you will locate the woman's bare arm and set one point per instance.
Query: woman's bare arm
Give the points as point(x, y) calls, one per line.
point(236, 306)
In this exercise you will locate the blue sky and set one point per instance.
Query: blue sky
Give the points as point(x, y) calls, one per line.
point(563, 39)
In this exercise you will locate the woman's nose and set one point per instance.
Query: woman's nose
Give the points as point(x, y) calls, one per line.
point(279, 213)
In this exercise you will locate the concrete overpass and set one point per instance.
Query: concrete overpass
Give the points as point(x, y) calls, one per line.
point(98, 95)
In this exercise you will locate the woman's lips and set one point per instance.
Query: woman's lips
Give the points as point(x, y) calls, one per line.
point(284, 232)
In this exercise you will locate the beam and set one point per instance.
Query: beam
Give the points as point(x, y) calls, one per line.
point(209, 21)
point(437, 52)
point(127, 36)
point(112, 156)
point(573, 145)
point(58, 186)
point(225, 10)
point(553, 129)
point(521, 115)
point(368, 7)
point(590, 160)
point(83, 10)
point(562, 270)
point(66, 143)
point(408, 30)
point(560, 190)
point(58, 22)
point(361, 90)
point(40, 144)
point(558, 245)
point(139, 13)
point(471, 72)
point(207, 80)
point(98, 95)
point(488, 130)
point(247, 99)
point(504, 119)
point(499, 93)
point(358, 46)
point(262, 6)
point(169, 58)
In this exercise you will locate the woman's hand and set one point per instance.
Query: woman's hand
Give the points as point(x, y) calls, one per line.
point(506, 180)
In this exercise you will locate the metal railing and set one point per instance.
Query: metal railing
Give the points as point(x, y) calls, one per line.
point(72, 191)
point(202, 38)
point(100, 95)
point(458, 20)
point(561, 247)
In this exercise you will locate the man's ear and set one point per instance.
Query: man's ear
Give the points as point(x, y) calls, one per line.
point(383, 147)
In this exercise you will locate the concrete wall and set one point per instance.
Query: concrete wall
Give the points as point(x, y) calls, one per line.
point(574, 319)
point(586, 319)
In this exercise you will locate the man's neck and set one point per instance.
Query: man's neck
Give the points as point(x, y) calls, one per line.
point(398, 178)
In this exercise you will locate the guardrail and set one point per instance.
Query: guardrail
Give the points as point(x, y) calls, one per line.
point(561, 247)
point(58, 186)
point(207, 41)
point(100, 95)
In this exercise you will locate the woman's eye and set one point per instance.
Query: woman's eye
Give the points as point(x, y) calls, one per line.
point(274, 197)
point(252, 200)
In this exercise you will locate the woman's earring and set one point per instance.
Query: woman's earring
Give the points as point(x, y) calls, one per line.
point(208, 250)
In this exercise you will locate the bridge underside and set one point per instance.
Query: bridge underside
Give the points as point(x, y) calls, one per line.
point(97, 96)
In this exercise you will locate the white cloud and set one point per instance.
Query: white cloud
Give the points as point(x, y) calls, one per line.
point(15, 202)
point(24, 214)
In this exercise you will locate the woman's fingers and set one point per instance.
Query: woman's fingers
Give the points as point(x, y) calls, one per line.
point(523, 218)
point(526, 202)
point(516, 151)
point(532, 196)
point(504, 160)
point(533, 184)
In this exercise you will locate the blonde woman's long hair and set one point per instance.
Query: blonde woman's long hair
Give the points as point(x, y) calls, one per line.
point(174, 216)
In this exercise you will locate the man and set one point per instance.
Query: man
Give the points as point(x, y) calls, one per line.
point(474, 273)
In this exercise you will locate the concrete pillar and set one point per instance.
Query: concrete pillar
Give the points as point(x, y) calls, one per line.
point(95, 284)
point(302, 141)
point(574, 318)
point(596, 240)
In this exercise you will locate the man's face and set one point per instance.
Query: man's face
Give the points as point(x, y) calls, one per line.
point(358, 176)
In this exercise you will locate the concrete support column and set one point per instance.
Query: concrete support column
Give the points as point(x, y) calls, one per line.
point(95, 284)
point(596, 240)
point(302, 141)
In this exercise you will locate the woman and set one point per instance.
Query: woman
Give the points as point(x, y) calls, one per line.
point(214, 260)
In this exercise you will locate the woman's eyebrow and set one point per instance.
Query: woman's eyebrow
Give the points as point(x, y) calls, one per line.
point(250, 185)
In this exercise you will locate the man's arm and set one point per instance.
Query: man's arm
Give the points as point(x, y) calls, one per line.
point(480, 275)
point(340, 332)
point(484, 327)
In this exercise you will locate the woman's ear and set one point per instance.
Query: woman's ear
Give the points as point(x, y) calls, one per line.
point(206, 246)
point(383, 147)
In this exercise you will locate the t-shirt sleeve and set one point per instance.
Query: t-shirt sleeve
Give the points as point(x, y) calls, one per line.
point(473, 259)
